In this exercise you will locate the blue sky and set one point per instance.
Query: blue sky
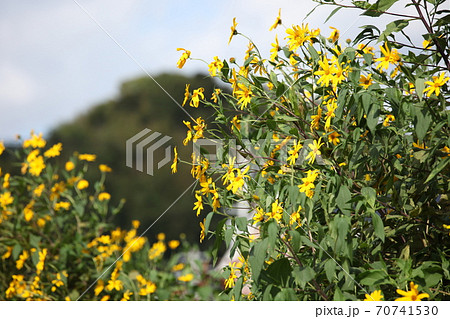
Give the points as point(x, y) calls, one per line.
point(55, 62)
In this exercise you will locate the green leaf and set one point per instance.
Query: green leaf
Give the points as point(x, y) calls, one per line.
point(237, 289)
point(279, 272)
point(420, 86)
point(17, 249)
point(229, 231)
point(333, 13)
point(208, 221)
point(330, 269)
point(241, 223)
point(372, 117)
point(273, 234)
point(370, 195)
point(303, 275)
point(394, 26)
point(444, 163)
point(422, 122)
point(343, 198)
point(295, 240)
point(379, 7)
point(373, 277)
point(378, 226)
point(257, 258)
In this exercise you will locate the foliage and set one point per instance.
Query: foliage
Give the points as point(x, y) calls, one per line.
point(57, 241)
point(337, 162)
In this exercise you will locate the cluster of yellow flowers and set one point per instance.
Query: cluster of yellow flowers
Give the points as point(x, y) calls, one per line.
point(324, 76)
point(411, 295)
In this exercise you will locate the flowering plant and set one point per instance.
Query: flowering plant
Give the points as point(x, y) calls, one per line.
point(332, 175)
point(57, 241)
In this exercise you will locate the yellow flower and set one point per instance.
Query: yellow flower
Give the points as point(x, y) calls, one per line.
point(175, 268)
point(114, 284)
point(390, 57)
point(315, 146)
point(308, 182)
point(389, 118)
point(28, 211)
point(233, 30)
point(334, 36)
point(365, 48)
point(229, 282)
point(374, 296)
point(215, 66)
point(186, 278)
point(277, 21)
point(237, 180)
point(22, 258)
point(40, 264)
point(293, 154)
point(126, 296)
point(161, 237)
point(412, 294)
point(259, 216)
point(156, 250)
point(274, 50)
point(326, 72)
point(36, 141)
point(334, 138)
point(187, 95)
point(6, 199)
point(104, 168)
point(61, 205)
point(38, 190)
point(426, 44)
point(6, 180)
point(104, 196)
point(186, 54)
point(54, 151)
point(434, 86)
point(82, 184)
point(87, 157)
point(215, 95)
point(105, 298)
point(35, 163)
point(196, 96)
point(202, 230)
point(173, 244)
point(8, 252)
point(243, 94)
point(69, 166)
point(277, 211)
point(175, 161)
point(295, 217)
point(2, 147)
point(297, 36)
point(236, 122)
point(198, 205)
point(365, 81)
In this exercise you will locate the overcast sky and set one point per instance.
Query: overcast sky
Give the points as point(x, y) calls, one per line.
point(55, 62)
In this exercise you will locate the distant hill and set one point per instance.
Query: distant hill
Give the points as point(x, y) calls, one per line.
point(104, 129)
